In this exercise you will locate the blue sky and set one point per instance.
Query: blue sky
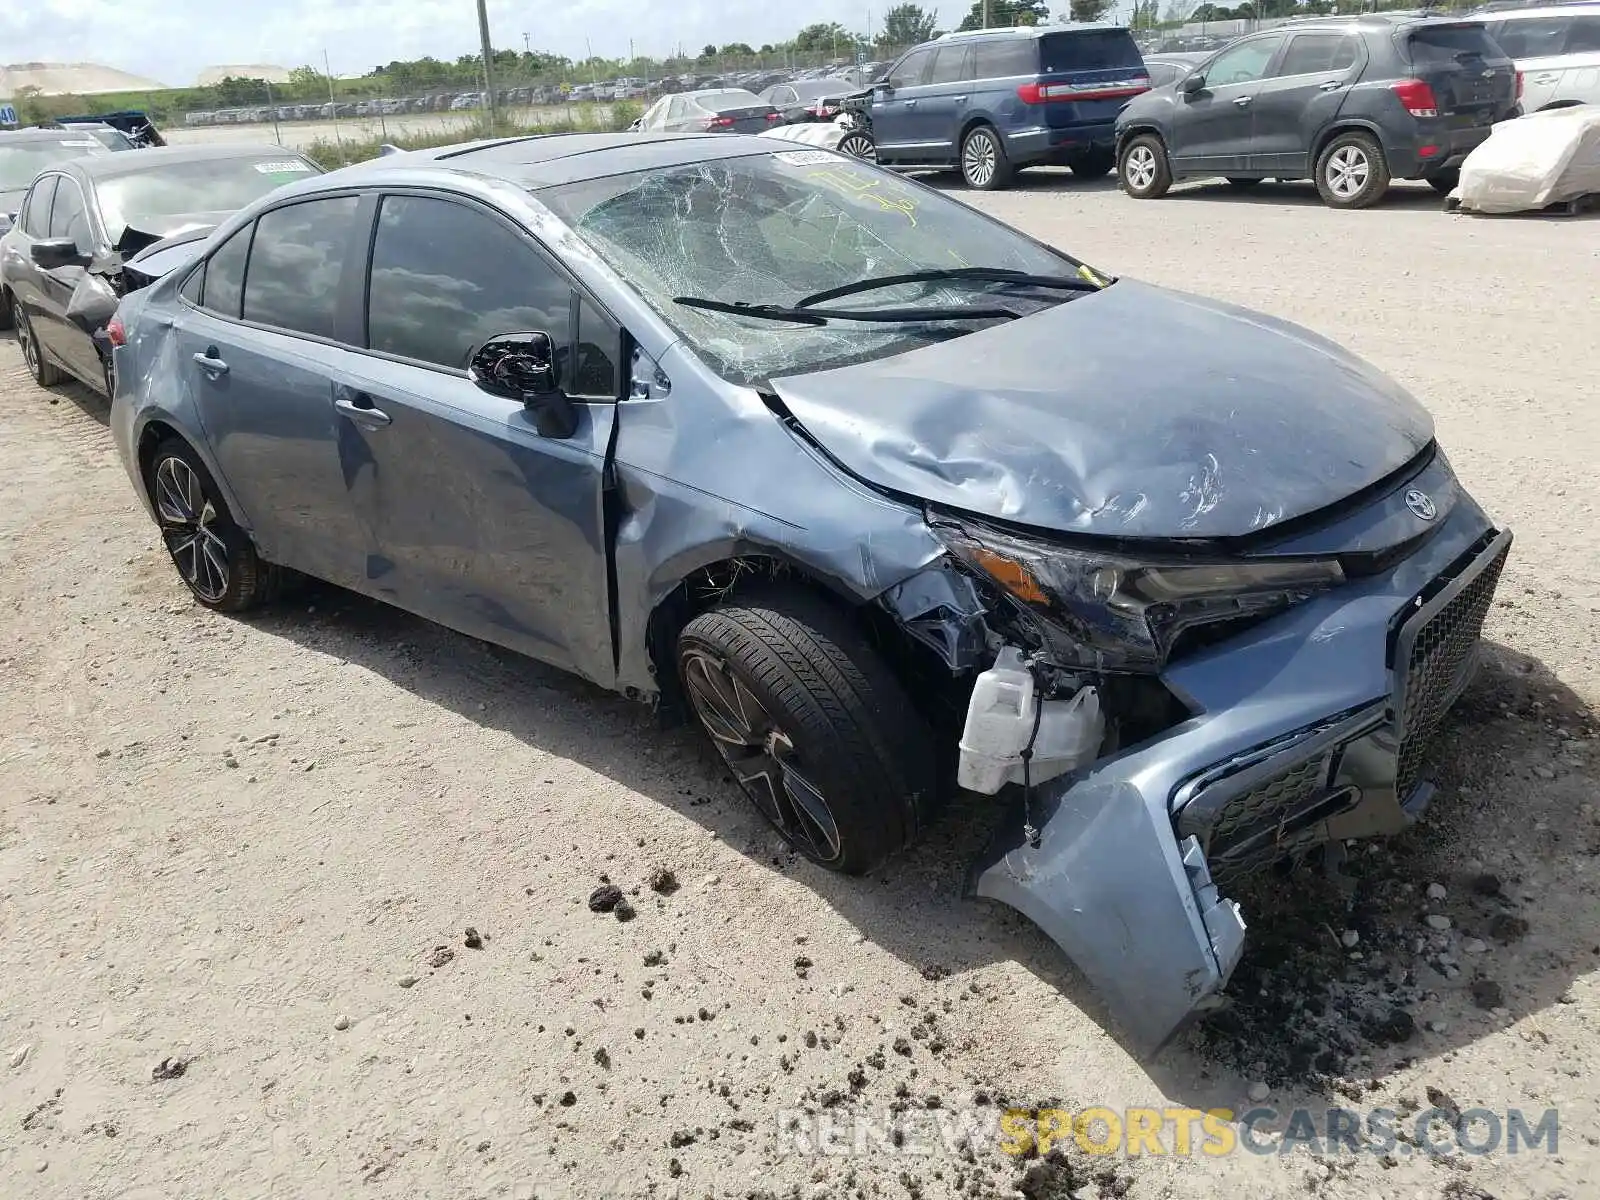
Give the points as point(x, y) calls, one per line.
point(173, 40)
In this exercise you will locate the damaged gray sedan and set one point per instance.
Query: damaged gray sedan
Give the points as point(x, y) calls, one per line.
point(887, 496)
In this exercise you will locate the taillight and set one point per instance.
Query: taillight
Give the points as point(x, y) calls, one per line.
point(1045, 93)
point(116, 333)
point(1519, 85)
point(719, 123)
point(1417, 97)
point(772, 116)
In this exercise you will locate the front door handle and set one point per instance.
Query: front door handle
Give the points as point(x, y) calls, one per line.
point(959, 99)
point(359, 408)
point(1330, 85)
point(911, 103)
point(1244, 101)
point(211, 364)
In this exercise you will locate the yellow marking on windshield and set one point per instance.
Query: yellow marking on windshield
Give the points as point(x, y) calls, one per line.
point(858, 187)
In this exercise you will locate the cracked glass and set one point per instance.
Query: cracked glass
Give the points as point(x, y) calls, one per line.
point(775, 228)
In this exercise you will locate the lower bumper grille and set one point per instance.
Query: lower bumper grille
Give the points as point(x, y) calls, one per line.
point(1433, 659)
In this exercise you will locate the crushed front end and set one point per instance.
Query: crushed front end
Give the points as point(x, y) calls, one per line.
point(1294, 722)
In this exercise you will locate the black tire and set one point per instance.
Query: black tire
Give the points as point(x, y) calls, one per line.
point(982, 160)
point(858, 145)
point(211, 542)
point(45, 373)
point(1445, 181)
point(813, 700)
point(1143, 169)
point(1094, 164)
point(7, 320)
point(1362, 186)
point(1242, 182)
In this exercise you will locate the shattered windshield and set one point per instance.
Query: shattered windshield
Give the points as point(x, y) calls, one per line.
point(775, 228)
point(174, 189)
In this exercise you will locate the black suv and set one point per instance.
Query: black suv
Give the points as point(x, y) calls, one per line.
point(1351, 101)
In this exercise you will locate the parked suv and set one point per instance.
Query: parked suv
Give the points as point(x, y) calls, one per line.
point(996, 100)
point(1557, 49)
point(1350, 101)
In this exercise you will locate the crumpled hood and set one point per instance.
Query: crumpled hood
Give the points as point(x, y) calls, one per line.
point(146, 231)
point(1132, 412)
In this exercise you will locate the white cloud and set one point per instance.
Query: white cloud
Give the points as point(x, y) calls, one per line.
point(173, 40)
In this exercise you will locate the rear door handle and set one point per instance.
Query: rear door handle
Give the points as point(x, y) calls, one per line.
point(959, 99)
point(211, 364)
point(359, 408)
point(911, 103)
point(1331, 85)
point(1541, 80)
point(1244, 101)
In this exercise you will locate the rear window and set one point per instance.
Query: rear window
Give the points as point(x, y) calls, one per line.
point(731, 100)
point(1092, 50)
point(1003, 59)
point(1451, 43)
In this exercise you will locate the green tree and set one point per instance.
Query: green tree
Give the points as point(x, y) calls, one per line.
point(708, 51)
point(908, 24)
point(738, 48)
point(1004, 13)
point(1091, 10)
point(823, 37)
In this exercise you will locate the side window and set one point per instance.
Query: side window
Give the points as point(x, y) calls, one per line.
point(1004, 58)
point(1584, 35)
point(69, 218)
point(674, 110)
point(222, 286)
point(1242, 64)
point(950, 64)
point(36, 216)
point(910, 70)
point(782, 96)
point(445, 277)
point(295, 263)
point(1537, 37)
point(194, 286)
point(1317, 53)
point(594, 366)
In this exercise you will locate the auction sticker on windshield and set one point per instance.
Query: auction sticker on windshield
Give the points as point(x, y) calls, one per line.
point(807, 158)
point(287, 167)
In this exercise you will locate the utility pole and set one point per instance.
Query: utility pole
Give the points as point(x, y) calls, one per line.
point(986, 14)
point(488, 67)
point(527, 46)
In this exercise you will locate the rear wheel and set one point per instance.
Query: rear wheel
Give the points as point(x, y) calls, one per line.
point(45, 373)
point(984, 165)
point(812, 724)
point(1352, 171)
point(214, 557)
point(858, 145)
point(1092, 164)
point(1143, 169)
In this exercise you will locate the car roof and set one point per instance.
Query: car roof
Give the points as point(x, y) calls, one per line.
point(1566, 8)
point(1395, 20)
point(158, 156)
point(545, 160)
point(13, 137)
point(1031, 31)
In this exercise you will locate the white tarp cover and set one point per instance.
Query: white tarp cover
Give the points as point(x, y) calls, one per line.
point(1544, 158)
point(826, 134)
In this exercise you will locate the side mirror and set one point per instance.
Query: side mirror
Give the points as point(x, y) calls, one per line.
point(882, 89)
point(1192, 84)
point(522, 366)
point(57, 252)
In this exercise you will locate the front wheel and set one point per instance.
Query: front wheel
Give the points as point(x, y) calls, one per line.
point(984, 164)
point(45, 373)
point(1352, 172)
point(812, 725)
point(1143, 168)
point(858, 145)
point(214, 557)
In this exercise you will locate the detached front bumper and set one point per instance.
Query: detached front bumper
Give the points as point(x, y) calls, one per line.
point(1309, 728)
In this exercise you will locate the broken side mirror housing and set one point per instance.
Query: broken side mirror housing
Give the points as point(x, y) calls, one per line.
point(522, 367)
point(57, 252)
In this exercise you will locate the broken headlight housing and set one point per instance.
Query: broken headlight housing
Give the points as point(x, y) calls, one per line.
point(1110, 611)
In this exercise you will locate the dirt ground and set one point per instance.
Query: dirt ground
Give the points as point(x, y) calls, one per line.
point(238, 858)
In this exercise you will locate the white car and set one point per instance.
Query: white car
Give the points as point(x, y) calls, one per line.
point(1557, 49)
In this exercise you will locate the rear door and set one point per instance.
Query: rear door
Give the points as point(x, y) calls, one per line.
point(894, 108)
point(259, 348)
point(1212, 128)
point(1473, 81)
point(1303, 95)
point(480, 523)
point(1580, 78)
point(1538, 46)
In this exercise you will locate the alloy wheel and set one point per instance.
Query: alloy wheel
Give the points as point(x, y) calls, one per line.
point(761, 756)
point(857, 146)
point(1347, 171)
point(25, 338)
point(187, 520)
point(978, 159)
point(1140, 167)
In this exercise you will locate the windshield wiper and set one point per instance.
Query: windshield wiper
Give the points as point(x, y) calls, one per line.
point(821, 316)
point(1070, 283)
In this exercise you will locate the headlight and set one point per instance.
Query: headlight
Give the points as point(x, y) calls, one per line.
point(1128, 613)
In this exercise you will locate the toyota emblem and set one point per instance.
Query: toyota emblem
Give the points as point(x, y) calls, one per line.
point(1422, 504)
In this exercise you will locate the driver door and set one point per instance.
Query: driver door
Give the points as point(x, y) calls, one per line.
point(1213, 127)
point(895, 120)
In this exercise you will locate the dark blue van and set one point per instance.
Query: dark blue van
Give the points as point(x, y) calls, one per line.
point(994, 101)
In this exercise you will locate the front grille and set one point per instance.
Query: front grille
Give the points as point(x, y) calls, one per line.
point(1273, 818)
point(1440, 651)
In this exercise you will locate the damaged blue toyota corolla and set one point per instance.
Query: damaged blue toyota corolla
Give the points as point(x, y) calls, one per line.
point(886, 495)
